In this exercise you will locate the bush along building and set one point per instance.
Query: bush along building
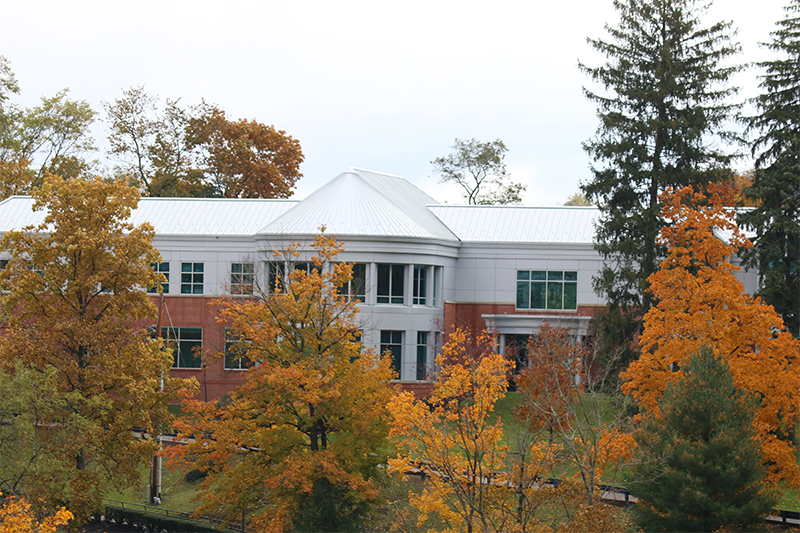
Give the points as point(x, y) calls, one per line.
point(420, 267)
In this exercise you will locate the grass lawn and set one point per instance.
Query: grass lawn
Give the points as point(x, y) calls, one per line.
point(177, 493)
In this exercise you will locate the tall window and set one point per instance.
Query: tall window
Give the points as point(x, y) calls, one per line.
point(393, 341)
point(161, 268)
point(356, 288)
point(235, 348)
point(391, 280)
point(551, 289)
point(191, 278)
point(242, 278)
point(422, 355)
point(275, 276)
point(436, 274)
point(186, 344)
point(420, 285)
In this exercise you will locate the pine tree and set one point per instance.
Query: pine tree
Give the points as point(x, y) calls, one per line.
point(777, 174)
point(700, 466)
point(661, 122)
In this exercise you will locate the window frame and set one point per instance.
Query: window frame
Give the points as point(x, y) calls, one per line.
point(395, 279)
point(242, 361)
point(158, 268)
point(419, 292)
point(192, 279)
point(351, 290)
point(182, 338)
point(422, 355)
point(242, 282)
point(547, 290)
point(395, 338)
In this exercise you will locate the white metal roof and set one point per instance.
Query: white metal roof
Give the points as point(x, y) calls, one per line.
point(360, 202)
point(171, 216)
point(478, 223)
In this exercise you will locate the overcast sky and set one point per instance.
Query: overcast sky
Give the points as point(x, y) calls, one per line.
point(386, 87)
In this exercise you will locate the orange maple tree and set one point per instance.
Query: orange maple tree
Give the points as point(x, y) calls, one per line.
point(700, 301)
point(300, 441)
point(548, 381)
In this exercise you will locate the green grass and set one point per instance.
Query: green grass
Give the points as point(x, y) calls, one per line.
point(176, 492)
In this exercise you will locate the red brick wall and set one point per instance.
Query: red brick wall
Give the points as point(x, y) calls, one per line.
point(198, 312)
point(214, 380)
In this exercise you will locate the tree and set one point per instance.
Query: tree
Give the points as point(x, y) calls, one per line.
point(560, 395)
point(700, 301)
point(776, 221)
point(577, 199)
point(700, 466)
point(300, 442)
point(56, 135)
point(8, 85)
point(479, 168)
point(16, 516)
point(474, 482)
point(246, 159)
point(76, 306)
point(52, 137)
point(198, 151)
point(661, 124)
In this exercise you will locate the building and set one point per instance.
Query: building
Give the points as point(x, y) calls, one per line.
point(420, 266)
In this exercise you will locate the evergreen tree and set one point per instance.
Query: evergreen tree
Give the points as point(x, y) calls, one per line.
point(661, 122)
point(700, 465)
point(777, 174)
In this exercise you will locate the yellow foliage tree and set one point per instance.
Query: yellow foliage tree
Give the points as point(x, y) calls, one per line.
point(76, 307)
point(473, 482)
point(299, 443)
point(17, 516)
point(700, 301)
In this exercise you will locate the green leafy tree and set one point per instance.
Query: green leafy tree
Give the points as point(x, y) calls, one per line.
point(75, 306)
point(776, 221)
point(662, 116)
point(479, 169)
point(51, 137)
point(700, 467)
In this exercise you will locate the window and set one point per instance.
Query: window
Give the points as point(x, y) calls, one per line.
point(161, 268)
point(235, 348)
point(420, 285)
point(307, 267)
point(393, 341)
point(191, 278)
point(242, 278)
point(436, 274)
point(552, 289)
point(390, 284)
point(275, 276)
point(186, 344)
point(422, 355)
point(356, 288)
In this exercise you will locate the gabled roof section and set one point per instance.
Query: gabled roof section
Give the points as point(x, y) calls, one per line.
point(558, 225)
point(363, 203)
point(171, 216)
point(16, 212)
point(209, 216)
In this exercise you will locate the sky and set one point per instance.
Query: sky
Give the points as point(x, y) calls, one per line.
point(376, 85)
